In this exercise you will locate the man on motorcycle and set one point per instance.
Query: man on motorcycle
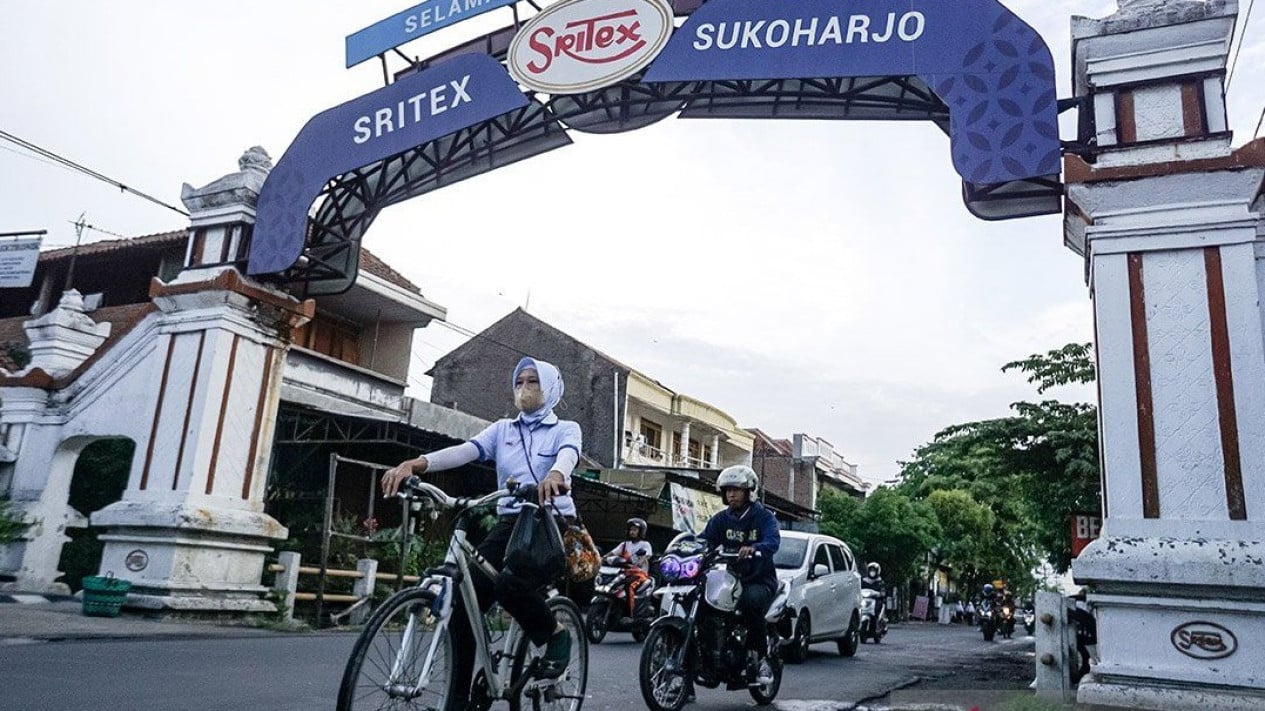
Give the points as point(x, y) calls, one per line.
point(873, 580)
point(637, 551)
point(750, 529)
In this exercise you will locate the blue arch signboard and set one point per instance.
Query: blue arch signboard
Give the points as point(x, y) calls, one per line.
point(993, 70)
point(981, 72)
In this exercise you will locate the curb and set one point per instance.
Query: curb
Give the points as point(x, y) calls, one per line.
point(30, 598)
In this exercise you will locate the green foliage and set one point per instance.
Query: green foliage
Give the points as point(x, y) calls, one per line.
point(887, 527)
point(19, 353)
point(1032, 470)
point(99, 479)
point(967, 541)
point(11, 525)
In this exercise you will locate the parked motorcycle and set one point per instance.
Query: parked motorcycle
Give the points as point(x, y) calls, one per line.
point(873, 624)
point(610, 609)
point(707, 645)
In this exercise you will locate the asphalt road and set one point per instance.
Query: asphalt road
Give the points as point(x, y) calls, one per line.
point(301, 672)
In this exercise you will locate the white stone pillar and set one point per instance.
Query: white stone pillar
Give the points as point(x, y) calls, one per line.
point(1162, 210)
point(683, 448)
point(190, 532)
point(715, 462)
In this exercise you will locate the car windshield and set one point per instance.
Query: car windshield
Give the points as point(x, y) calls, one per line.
point(790, 555)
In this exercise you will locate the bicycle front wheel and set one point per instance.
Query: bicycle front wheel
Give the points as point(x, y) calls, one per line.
point(402, 660)
point(567, 692)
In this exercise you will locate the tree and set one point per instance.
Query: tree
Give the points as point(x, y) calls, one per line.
point(887, 527)
point(1032, 469)
point(966, 539)
point(11, 525)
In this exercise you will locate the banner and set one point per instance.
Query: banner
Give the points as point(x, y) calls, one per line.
point(692, 509)
point(417, 21)
point(1085, 528)
point(456, 94)
point(18, 258)
point(992, 70)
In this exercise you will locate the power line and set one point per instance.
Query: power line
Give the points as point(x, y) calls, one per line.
point(1259, 121)
point(1247, 17)
point(45, 153)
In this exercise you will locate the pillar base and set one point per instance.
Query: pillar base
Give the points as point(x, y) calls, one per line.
point(1181, 622)
point(188, 559)
point(1098, 692)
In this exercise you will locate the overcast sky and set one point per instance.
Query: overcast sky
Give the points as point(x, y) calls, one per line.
point(802, 276)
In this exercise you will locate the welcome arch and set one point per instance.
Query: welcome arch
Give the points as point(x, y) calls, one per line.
point(971, 68)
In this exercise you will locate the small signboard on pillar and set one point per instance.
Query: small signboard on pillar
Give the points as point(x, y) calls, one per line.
point(1085, 528)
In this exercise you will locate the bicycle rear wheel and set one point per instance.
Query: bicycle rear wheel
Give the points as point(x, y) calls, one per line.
point(399, 662)
point(567, 692)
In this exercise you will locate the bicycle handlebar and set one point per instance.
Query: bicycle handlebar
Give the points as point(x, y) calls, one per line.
point(415, 488)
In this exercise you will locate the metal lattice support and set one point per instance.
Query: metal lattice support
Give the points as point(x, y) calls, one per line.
point(351, 202)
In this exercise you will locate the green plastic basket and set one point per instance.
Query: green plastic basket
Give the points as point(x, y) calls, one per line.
point(103, 596)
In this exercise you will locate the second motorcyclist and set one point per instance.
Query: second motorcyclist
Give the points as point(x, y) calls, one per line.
point(749, 529)
point(635, 551)
point(873, 580)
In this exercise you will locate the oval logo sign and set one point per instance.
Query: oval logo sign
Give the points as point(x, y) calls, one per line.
point(578, 46)
point(1204, 640)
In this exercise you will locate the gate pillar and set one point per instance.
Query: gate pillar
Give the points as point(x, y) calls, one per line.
point(1166, 213)
point(190, 532)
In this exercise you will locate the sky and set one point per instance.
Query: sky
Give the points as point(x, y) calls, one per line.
point(816, 277)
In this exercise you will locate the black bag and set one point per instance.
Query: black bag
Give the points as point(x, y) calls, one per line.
point(535, 546)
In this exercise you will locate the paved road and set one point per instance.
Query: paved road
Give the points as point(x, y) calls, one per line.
point(301, 672)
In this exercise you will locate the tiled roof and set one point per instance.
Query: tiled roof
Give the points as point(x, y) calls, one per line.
point(162, 239)
point(122, 317)
point(369, 262)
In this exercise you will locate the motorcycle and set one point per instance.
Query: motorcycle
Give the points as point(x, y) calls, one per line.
point(1029, 620)
point(609, 609)
point(873, 625)
point(706, 646)
point(1006, 623)
point(989, 618)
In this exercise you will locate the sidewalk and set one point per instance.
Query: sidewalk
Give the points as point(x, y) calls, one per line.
point(60, 618)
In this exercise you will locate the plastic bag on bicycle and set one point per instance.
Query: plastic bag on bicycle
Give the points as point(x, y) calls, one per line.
point(535, 546)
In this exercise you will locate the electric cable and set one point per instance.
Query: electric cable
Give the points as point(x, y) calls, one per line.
point(1238, 50)
point(45, 153)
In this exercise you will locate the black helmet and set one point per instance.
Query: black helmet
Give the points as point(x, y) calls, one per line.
point(639, 524)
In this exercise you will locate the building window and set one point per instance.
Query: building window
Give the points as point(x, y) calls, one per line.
point(696, 449)
point(651, 434)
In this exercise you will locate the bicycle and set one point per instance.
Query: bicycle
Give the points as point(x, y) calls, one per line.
point(403, 658)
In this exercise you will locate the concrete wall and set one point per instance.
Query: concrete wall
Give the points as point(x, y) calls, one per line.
point(475, 378)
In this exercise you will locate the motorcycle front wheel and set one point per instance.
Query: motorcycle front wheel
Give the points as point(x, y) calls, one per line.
point(597, 621)
point(662, 688)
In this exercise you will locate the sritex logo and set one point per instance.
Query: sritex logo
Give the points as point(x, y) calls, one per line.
point(583, 45)
point(1204, 640)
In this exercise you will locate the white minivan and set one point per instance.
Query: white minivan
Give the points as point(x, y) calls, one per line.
point(824, 592)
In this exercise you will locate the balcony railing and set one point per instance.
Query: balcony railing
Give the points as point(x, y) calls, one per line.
point(644, 454)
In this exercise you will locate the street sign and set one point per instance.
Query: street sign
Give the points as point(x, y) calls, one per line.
point(417, 21)
point(18, 258)
point(1085, 528)
point(579, 46)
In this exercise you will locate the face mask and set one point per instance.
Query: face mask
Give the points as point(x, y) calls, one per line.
point(528, 399)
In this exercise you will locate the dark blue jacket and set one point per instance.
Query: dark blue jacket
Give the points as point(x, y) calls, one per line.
point(755, 527)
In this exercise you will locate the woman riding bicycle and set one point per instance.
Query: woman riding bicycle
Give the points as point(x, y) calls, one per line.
point(533, 448)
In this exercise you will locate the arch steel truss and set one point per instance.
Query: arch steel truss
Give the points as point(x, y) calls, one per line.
point(349, 203)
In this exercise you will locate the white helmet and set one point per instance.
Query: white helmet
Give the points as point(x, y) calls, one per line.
point(739, 476)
